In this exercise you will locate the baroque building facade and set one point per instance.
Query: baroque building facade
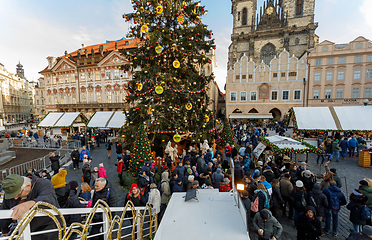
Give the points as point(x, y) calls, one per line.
point(265, 89)
point(340, 74)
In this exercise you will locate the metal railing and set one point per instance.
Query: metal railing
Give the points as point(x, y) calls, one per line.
point(49, 143)
point(129, 222)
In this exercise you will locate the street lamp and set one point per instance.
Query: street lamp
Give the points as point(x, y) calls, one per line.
point(365, 102)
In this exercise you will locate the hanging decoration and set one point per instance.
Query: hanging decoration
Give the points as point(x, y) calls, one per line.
point(206, 118)
point(177, 138)
point(144, 29)
point(188, 106)
point(159, 9)
point(158, 49)
point(176, 64)
point(139, 86)
point(159, 90)
point(181, 19)
point(149, 110)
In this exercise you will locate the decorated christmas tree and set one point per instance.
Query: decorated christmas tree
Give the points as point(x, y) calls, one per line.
point(227, 134)
point(168, 90)
point(141, 152)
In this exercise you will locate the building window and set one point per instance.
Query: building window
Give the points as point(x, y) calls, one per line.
point(109, 97)
point(108, 74)
point(275, 75)
point(42, 102)
point(37, 102)
point(54, 80)
point(297, 41)
point(358, 59)
point(66, 78)
point(37, 93)
point(359, 45)
point(48, 80)
point(250, 76)
point(82, 76)
point(55, 99)
point(285, 95)
point(318, 62)
point(50, 100)
point(339, 93)
point(330, 61)
point(244, 77)
point(74, 98)
point(98, 96)
point(253, 96)
point(282, 74)
point(369, 74)
point(325, 49)
point(237, 77)
point(84, 97)
point(297, 95)
point(341, 60)
point(90, 76)
point(369, 58)
point(116, 74)
point(244, 16)
point(125, 74)
point(274, 95)
point(317, 76)
point(238, 16)
point(368, 92)
point(233, 96)
point(62, 99)
point(328, 93)
point(299, 7)
point(72, 78)
point(355, 93)
point(357, 74)
point(90, 97)
point(292, 74)
point(243, 96)
point(268, 53)
point(329, 76)
point(341, 75)
point(98, 76)
point(117, 96)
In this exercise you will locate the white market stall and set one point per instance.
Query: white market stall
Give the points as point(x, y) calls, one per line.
point(63, 122)
point(107, 120)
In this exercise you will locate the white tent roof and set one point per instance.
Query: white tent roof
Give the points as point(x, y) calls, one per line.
point(355, 118)
point(285, 142)
point(107, 120)
point(214, 216)
point(312, 118)
point(67, 119)
point(50, 119)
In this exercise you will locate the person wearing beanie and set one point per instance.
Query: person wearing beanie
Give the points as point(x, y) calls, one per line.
point(33, 190)
point(54, 159)
point(267, 226)
point(217, 178)
point(299, 196)
point(61, 188)
point(269, 174)
point(45, 174)
point(308, 180)
point(318, 200)
point(367, 191)
point(154, 198)
point(357, 202)
point(73, 202)
point(308, 226)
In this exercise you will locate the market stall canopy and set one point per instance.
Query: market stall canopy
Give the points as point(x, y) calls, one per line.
point(250, 116)
point(285, 145)
point(344, 118)
point(107, 120)
point(61, 119)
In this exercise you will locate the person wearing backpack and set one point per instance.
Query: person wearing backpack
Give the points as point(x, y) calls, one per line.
point(336, 199)
point(299, 196)
point(356, 204)
point(367, 191)
point(318, 200)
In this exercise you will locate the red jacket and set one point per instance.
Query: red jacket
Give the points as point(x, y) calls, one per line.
point(228, 149)
point(119, 168)
point(225, 188)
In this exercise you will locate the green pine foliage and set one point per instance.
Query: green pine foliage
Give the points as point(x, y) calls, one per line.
point(168, 71)
point(227, 134)
point(141, 151)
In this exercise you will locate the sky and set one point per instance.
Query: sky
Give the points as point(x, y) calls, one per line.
point(30, 31)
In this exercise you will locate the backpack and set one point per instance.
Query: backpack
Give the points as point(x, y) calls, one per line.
point(333, 200)
point(254, 205)
point(107, 146)
point(312, 202)
point(159, 187)
point(365, 213)
point(303, 201)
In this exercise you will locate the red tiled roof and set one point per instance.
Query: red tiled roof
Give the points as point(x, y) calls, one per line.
point(106, 47)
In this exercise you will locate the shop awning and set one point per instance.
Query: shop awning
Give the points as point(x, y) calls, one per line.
point(107, 120)
point(343, 118)
point(61, 119)
point(250, 116)
point(288, 145)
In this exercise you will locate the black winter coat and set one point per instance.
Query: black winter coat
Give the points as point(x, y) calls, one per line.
point(144, 183)
point(54, 163)
point(320, 200)
point(75, 155)
point(269, 175)
point(73, 202)
point(297, 197)
point(87, 172)
point(107, 194)
point(238, 173)
point(308, 229)
point(355, 205)
point(62, 195)
point(308, 182)
point(138, 200)
point(276, 198)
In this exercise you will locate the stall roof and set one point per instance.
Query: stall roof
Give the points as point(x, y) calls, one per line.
point(313, 118)
point(60, 119)
point(355, 118)
point(285, 142)
point(250, 116)
point(344, 118)
point(107, 120)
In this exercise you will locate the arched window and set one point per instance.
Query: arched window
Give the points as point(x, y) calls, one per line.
point(238, 16)
point(267, 53)
point(299, 7)
point(297, 41)
point(244, 17)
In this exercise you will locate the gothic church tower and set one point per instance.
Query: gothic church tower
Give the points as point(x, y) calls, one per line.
point(278, 25)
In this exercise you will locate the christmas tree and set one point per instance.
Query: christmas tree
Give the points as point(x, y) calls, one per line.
point(141, 152)
point(168, 90)
point(227, 134)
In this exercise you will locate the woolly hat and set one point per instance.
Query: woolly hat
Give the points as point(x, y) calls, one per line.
point(73, 185)
point(58, 180)
point(299, 183)
point(256, 175)
point(336, 140)
point(268, 168)
point(134, 185)
point(153, 185)
point(363, 183)
point(264, 214)
point(303, 163)
point(287, 175)
point(259, 163)
point(307, 172)
point(189, 171)
point(29, 169)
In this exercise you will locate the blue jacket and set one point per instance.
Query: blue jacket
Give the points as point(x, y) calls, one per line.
point(353, 142)
point(344, 144)
point(84, 152)
point(242, 151)
point(340, 195)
